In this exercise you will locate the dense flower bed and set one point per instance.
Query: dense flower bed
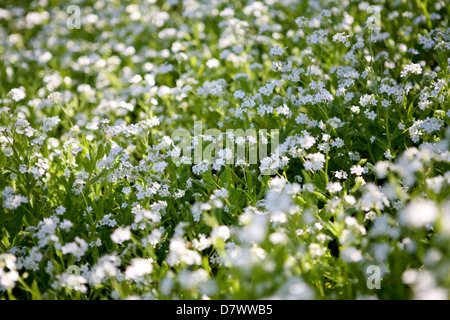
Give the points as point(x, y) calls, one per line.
point(313, 164)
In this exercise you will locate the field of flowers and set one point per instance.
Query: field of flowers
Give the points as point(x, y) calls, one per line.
point(314, 159)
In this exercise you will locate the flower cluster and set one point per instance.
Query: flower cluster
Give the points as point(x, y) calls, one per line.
point(354, 103)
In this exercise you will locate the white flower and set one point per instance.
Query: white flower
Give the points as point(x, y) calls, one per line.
point(60, 210)
point(357, 169)
point(8, 273)
point(370, 114)
point(8, 151)
point(315, 162)
point(138, 268)
point(316, 250)
point(301, 21)
point(350, 199)
point(413, 68)
point(222, 193)
point(388, 155)
point(213, 63)
point(419, 213)
point(78, 247)
point(373, 198)
point(120, 235)
point(341, 38)
point(221, 232)
point(278, 238)
point(16, 94)
point(76, 149)
point(355, 109)
point(190, 280)
point(239, 94)
point(351, 254)
point(277, 51)
point(66, 224)
point(49, 123)
point(202, 243)
point(278, 203)
point(368, 100)
point(334, 187)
